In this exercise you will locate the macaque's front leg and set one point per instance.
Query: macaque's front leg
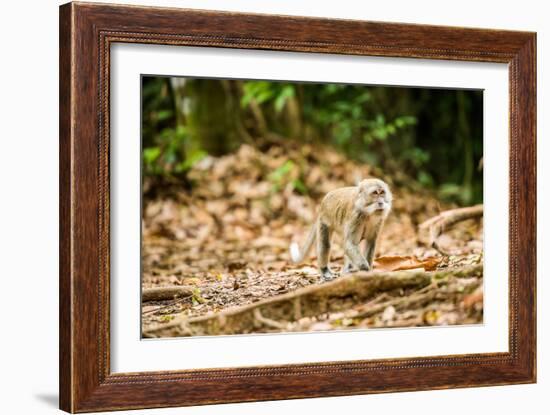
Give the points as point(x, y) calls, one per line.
point(370, 249)
point(354, 254)
point(352, 239)
point(370, 254)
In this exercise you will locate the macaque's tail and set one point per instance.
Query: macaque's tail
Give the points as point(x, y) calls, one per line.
point(298, 255)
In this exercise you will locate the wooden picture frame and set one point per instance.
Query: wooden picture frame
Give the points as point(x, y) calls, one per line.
point(86, 33)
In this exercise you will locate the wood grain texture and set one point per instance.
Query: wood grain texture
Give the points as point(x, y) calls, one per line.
point(86, 33)
point(65, 246)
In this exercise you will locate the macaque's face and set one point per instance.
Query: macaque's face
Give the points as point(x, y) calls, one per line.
point(375, 197)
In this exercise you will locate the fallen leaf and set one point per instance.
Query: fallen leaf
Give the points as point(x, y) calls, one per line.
point(397, 263)
point(431, 316)
point(474, 298)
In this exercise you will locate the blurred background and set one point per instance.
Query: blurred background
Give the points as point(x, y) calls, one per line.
point(234, 170)
point(431, 138)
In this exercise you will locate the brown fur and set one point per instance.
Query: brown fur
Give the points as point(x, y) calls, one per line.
point(357, 213)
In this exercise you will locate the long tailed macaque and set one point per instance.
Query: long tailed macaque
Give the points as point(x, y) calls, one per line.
point(358, 213)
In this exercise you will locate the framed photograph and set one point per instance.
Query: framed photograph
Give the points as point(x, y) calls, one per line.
point(258, 207)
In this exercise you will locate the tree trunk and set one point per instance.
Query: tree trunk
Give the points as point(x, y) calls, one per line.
point(213, 115)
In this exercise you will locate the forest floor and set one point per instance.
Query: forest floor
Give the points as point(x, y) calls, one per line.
point(227, 239)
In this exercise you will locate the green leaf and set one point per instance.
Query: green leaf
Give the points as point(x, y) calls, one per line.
point(380, 133)
point(151, 154)
point(299, 186)
point(192, 159)
point(163, 115)
point(286, 93)
point(425, 178)
point(197, 297)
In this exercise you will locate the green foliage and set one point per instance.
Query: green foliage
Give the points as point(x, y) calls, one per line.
point(164, 141)
point(380, 129)
point(263, 92)
point(455, 192)
point(193, 157)
point(196, 297)
point(338, 109)
point(349, 117)
point(286, 174)
point(167, 155)
point(280, 174)
point(416, 156)
point(431, 135)
point(299, 186)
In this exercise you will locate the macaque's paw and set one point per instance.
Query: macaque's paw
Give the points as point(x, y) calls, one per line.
point(327, 275)
point(348, 268)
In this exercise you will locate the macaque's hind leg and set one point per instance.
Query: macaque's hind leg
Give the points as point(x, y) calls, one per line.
point(323, 250)
point(348, 265)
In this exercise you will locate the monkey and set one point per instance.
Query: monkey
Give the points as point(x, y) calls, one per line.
point(358, 214)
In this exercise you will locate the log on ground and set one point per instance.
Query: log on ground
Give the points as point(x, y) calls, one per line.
point(277, 312)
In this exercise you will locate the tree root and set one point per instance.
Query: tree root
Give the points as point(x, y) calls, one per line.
point(280, 312)
point(430, 230)
point(418, 299)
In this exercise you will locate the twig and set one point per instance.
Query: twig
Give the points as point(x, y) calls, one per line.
point(165, 306)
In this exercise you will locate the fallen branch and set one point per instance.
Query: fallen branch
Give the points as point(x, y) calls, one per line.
point(430, 230)
point(167, 293)
point(277, 312)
